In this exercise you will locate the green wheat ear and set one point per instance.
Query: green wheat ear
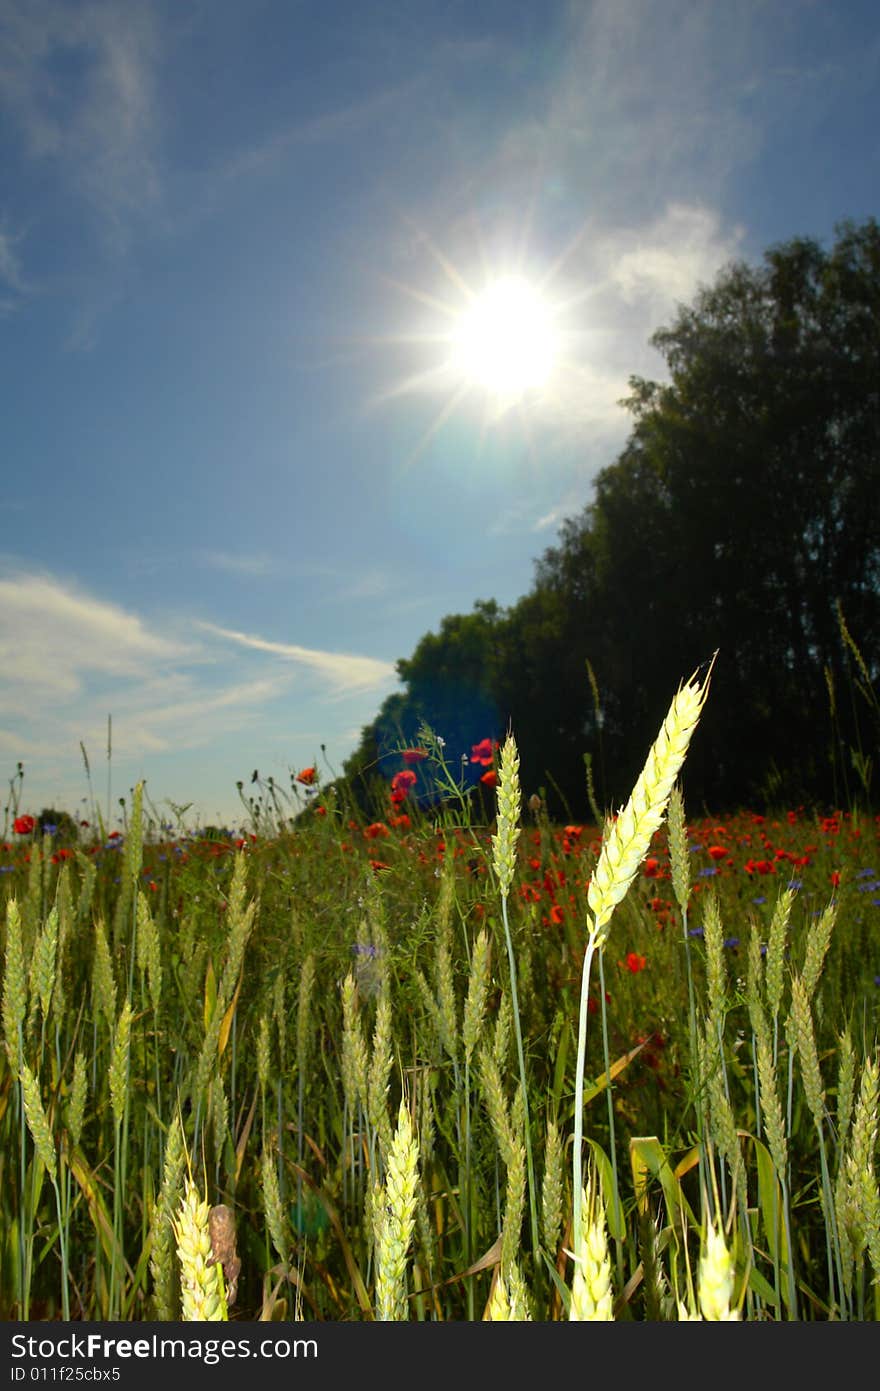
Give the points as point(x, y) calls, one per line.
point(504, 841)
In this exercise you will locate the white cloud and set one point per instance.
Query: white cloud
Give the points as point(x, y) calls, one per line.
point(344, 673)
point(664, 263)
point(53, 635)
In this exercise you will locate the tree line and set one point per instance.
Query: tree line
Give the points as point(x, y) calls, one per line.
point(742, 517)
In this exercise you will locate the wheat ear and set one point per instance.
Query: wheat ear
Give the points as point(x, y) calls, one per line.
point(202, 1295)
point(394, 1207)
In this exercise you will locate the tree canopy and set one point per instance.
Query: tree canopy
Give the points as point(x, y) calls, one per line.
point(743, 516)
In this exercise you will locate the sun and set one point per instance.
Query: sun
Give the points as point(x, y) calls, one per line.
point(504, 340)
point(498, 346)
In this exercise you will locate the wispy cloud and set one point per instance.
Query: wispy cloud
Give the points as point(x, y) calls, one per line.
point(78, 82)
point(337, 123)
point(196, 719)
point(234, 563)
point(344, 673)
point(68, 657)
point(11, 273)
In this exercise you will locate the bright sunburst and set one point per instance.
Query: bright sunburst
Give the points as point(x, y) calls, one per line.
point(498, 340)
point(505, 341)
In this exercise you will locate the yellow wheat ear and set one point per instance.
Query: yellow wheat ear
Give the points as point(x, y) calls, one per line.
point(202, 1292)
point(592, 1300)
point(629, 838)
point(716, 1277)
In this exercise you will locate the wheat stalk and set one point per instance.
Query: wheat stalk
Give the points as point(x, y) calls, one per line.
point(162, 1225)
point(678, 851)
point(44, 962)
point(477, 993)
point(379, 1073)
point(37, 1122)
point(552, 1187)
point(118, 1074)
point(15, 987)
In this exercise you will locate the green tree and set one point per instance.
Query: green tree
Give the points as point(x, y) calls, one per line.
point(744, 507)
point(451, 684)
point(65, 830)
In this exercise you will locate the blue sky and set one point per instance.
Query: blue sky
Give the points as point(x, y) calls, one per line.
point(242, 472)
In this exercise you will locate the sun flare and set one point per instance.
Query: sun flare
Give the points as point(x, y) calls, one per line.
point(491, 341)
point(504, 341)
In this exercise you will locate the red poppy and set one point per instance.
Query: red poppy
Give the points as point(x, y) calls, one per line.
point(115, 835)
point(759, 867)
point(482, 752)
point(718, 852)
point(414, 755)
point(403, 781)
point(490, 778)
point(306, 776)
point(557, 914)
point(378, 828)
point(23, 825)
point(635, 963)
